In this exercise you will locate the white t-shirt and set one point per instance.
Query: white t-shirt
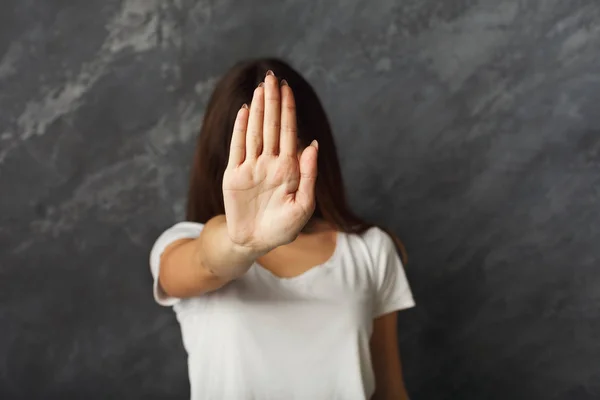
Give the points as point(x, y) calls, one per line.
point(261, 337)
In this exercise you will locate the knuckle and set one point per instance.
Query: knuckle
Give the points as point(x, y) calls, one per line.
point(306, 175)
point(289, 128)
point(255, 134)
point(257, 112)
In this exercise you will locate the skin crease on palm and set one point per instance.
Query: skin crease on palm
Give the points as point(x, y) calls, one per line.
point(268, 186)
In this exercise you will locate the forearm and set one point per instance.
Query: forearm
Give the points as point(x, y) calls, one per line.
point(216, 252)
point(192, 267)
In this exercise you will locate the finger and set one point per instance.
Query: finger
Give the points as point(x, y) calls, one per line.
point(255, 124)
point(308, 175)
point(271, 125)
point(289, 130)
point(237, 148)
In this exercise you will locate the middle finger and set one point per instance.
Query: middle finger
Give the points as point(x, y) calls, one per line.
point(272, 122)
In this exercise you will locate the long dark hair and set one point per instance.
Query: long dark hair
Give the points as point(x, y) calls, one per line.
point(205, 197)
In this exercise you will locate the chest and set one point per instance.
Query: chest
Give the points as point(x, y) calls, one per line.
point(317, 301)
point(293, 260)
point(319, 308)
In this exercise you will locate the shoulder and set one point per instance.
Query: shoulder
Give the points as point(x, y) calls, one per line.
point(383, 240)
point(371, 246)
point(377, 240)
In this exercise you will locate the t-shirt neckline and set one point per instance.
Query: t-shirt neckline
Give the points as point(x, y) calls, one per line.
point(309, 272)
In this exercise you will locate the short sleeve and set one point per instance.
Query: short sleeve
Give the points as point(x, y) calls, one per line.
point(182, 230)
point(392, 291)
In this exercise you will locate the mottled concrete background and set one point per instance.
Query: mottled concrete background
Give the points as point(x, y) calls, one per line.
point(472, 128)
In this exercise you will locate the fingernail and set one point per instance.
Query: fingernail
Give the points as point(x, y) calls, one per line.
point(284, 82)
point(315, 144)
point(245, 106)
point(261, 84)
point(269, 72)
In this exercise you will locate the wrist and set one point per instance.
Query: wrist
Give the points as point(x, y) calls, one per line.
point(245, 252)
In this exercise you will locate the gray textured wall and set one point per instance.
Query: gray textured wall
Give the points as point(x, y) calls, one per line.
point(472, 128)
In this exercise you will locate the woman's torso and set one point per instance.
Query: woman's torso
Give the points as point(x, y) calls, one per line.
point(265, 337)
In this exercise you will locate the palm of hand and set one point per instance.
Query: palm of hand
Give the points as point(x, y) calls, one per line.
point(268, 190)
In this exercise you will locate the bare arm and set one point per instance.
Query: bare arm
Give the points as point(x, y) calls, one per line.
point(268, 193)
point(190, 267)
point(386, 360)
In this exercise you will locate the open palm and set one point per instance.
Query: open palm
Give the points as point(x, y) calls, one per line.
point(268, 190)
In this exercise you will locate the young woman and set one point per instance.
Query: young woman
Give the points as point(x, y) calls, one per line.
point(281, 291)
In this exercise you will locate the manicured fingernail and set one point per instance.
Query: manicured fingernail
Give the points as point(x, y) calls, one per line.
point(284, 82)
point(261, 84)
point(269, 72)
point(315, 144)
point(245, 106)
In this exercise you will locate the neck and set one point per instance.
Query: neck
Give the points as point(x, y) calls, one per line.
point(309, 227)
point(315, 225)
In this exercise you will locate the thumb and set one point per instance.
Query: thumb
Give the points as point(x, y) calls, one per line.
point(308, 174)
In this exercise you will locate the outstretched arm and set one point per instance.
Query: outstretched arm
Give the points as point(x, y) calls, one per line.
point(268, 195)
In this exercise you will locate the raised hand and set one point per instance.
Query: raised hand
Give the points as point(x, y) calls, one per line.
point(268, 189)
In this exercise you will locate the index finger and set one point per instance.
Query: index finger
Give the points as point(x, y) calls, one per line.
point(289, 129)
point(237, 148)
